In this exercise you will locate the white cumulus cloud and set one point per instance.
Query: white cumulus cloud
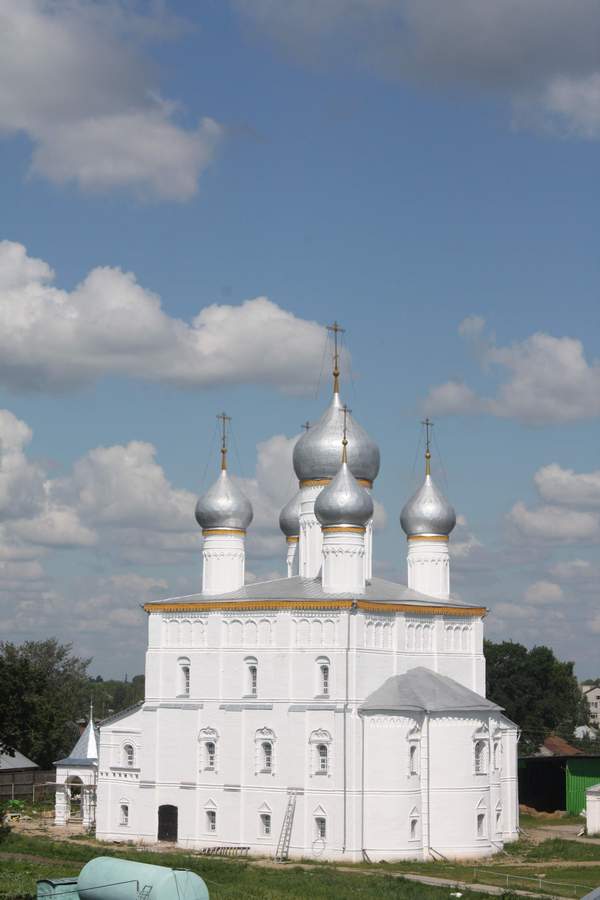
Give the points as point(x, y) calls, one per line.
point(548, 380)
point(554, 523)
point(73, 78)
point(110, 325)
point(558, 485)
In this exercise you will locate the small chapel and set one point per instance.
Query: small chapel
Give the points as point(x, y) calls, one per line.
point(328, 714)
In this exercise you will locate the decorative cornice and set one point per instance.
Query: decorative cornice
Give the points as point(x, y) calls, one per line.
point(367, 605)
point(220, 532)
point(321, 482)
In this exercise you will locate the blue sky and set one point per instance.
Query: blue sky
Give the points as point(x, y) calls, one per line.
point(407, 168)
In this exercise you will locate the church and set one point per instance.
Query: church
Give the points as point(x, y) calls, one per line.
point(329, 714)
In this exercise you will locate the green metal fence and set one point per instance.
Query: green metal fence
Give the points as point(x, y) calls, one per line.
point(581, 774)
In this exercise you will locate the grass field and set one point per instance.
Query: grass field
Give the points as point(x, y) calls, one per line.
point(24, 859)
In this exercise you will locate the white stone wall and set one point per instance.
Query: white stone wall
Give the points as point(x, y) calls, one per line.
point(288, 647)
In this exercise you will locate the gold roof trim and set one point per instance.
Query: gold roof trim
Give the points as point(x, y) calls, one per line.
point(367, 605)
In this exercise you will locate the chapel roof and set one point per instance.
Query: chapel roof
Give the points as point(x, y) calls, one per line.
point(422, 690)
point(18, 761)
point(377, 590)
point(85, 751)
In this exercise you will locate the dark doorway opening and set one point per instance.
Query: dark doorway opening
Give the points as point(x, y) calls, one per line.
point(167, 823)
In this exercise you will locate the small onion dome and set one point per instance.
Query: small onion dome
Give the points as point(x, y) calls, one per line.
point(224, 505)
point(428, 512)
point(317, 452)
point(289, 517)
point(344, 501)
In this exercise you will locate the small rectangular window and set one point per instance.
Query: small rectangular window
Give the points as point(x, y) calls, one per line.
point(412, 765)
point(325, 680)
point(211, 820)
point(210, 755)
point(321, 827)
point(253, 680)
point(124, 818)
point(185, 675)
point(414, 823)
point(265, 824)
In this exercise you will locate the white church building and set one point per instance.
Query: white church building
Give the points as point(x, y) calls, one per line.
point(329, 713)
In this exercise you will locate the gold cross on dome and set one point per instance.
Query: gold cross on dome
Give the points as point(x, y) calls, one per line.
point(336, 329)
point(428, 429)
point(224, 419)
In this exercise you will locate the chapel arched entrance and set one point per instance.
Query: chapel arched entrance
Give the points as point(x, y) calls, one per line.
point(167, 823)
point(74, 797)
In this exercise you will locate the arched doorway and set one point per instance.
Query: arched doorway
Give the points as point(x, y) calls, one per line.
point(74, 797)
point(167, 823)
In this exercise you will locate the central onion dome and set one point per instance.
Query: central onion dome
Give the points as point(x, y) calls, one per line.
point(317, 453)
point(289, 518)
point(428, 512)
point(224, 505)
point(344, 501)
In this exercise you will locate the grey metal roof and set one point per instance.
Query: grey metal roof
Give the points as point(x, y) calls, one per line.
point(422, 690)
point(122, 714)
point(85, 751)
point(378, 590)
point(18, 761)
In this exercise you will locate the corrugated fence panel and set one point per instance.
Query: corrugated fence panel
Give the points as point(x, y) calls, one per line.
point(581, 774)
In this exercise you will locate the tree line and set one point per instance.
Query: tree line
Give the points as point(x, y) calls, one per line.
point(45, 689)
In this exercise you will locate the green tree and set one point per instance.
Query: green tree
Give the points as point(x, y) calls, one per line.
point(43, 690)
point(537, 690)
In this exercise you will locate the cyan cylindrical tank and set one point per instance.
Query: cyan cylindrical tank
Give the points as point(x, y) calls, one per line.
point(105, 878)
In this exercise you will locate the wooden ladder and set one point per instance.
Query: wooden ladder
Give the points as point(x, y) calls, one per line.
point(285, 836)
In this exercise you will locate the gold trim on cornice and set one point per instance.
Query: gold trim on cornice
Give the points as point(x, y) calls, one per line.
point(428, 537)
point(293, 539)
point(367, 605)
point(320, 482)
point(353, 529)
point(209, 532)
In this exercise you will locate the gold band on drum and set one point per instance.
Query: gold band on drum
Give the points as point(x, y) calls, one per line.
point(210, 532)
point(428, 537)
point(321, 482)
point(344, 529)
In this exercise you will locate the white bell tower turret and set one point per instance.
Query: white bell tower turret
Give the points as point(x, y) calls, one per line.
point(427, 520)
point(224, 514)
point(343, 509)
point(289, 522)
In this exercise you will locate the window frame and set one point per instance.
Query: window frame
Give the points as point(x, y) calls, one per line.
point(124, 813)
point(251, 677)
point(184, 677)
point(211, 821)
point(266, 827)
point(323, 677)
point(321, 828)
point(127, 756)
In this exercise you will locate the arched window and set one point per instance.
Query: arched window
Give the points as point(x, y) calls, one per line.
point(208, 738)
point(323, 757)
point(128, 755)
point(211, 820)
point(267, 756)
point(210, 750)
point(320, 827)
point(251, 677)
point(183, 689)
point(265, 824)
point(498, 817)
point(320, 742)
point(124, 813)
point(481, 820)
point(264, 743)
point(323, 676)
point(481, 762)
point(497, 755)
point(413, 824)
point(412, 760)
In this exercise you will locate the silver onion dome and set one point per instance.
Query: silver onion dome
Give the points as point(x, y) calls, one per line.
point(344, 501)
point(224, 505)
point(317, 453)
point(428, 512)
point(289, 517)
